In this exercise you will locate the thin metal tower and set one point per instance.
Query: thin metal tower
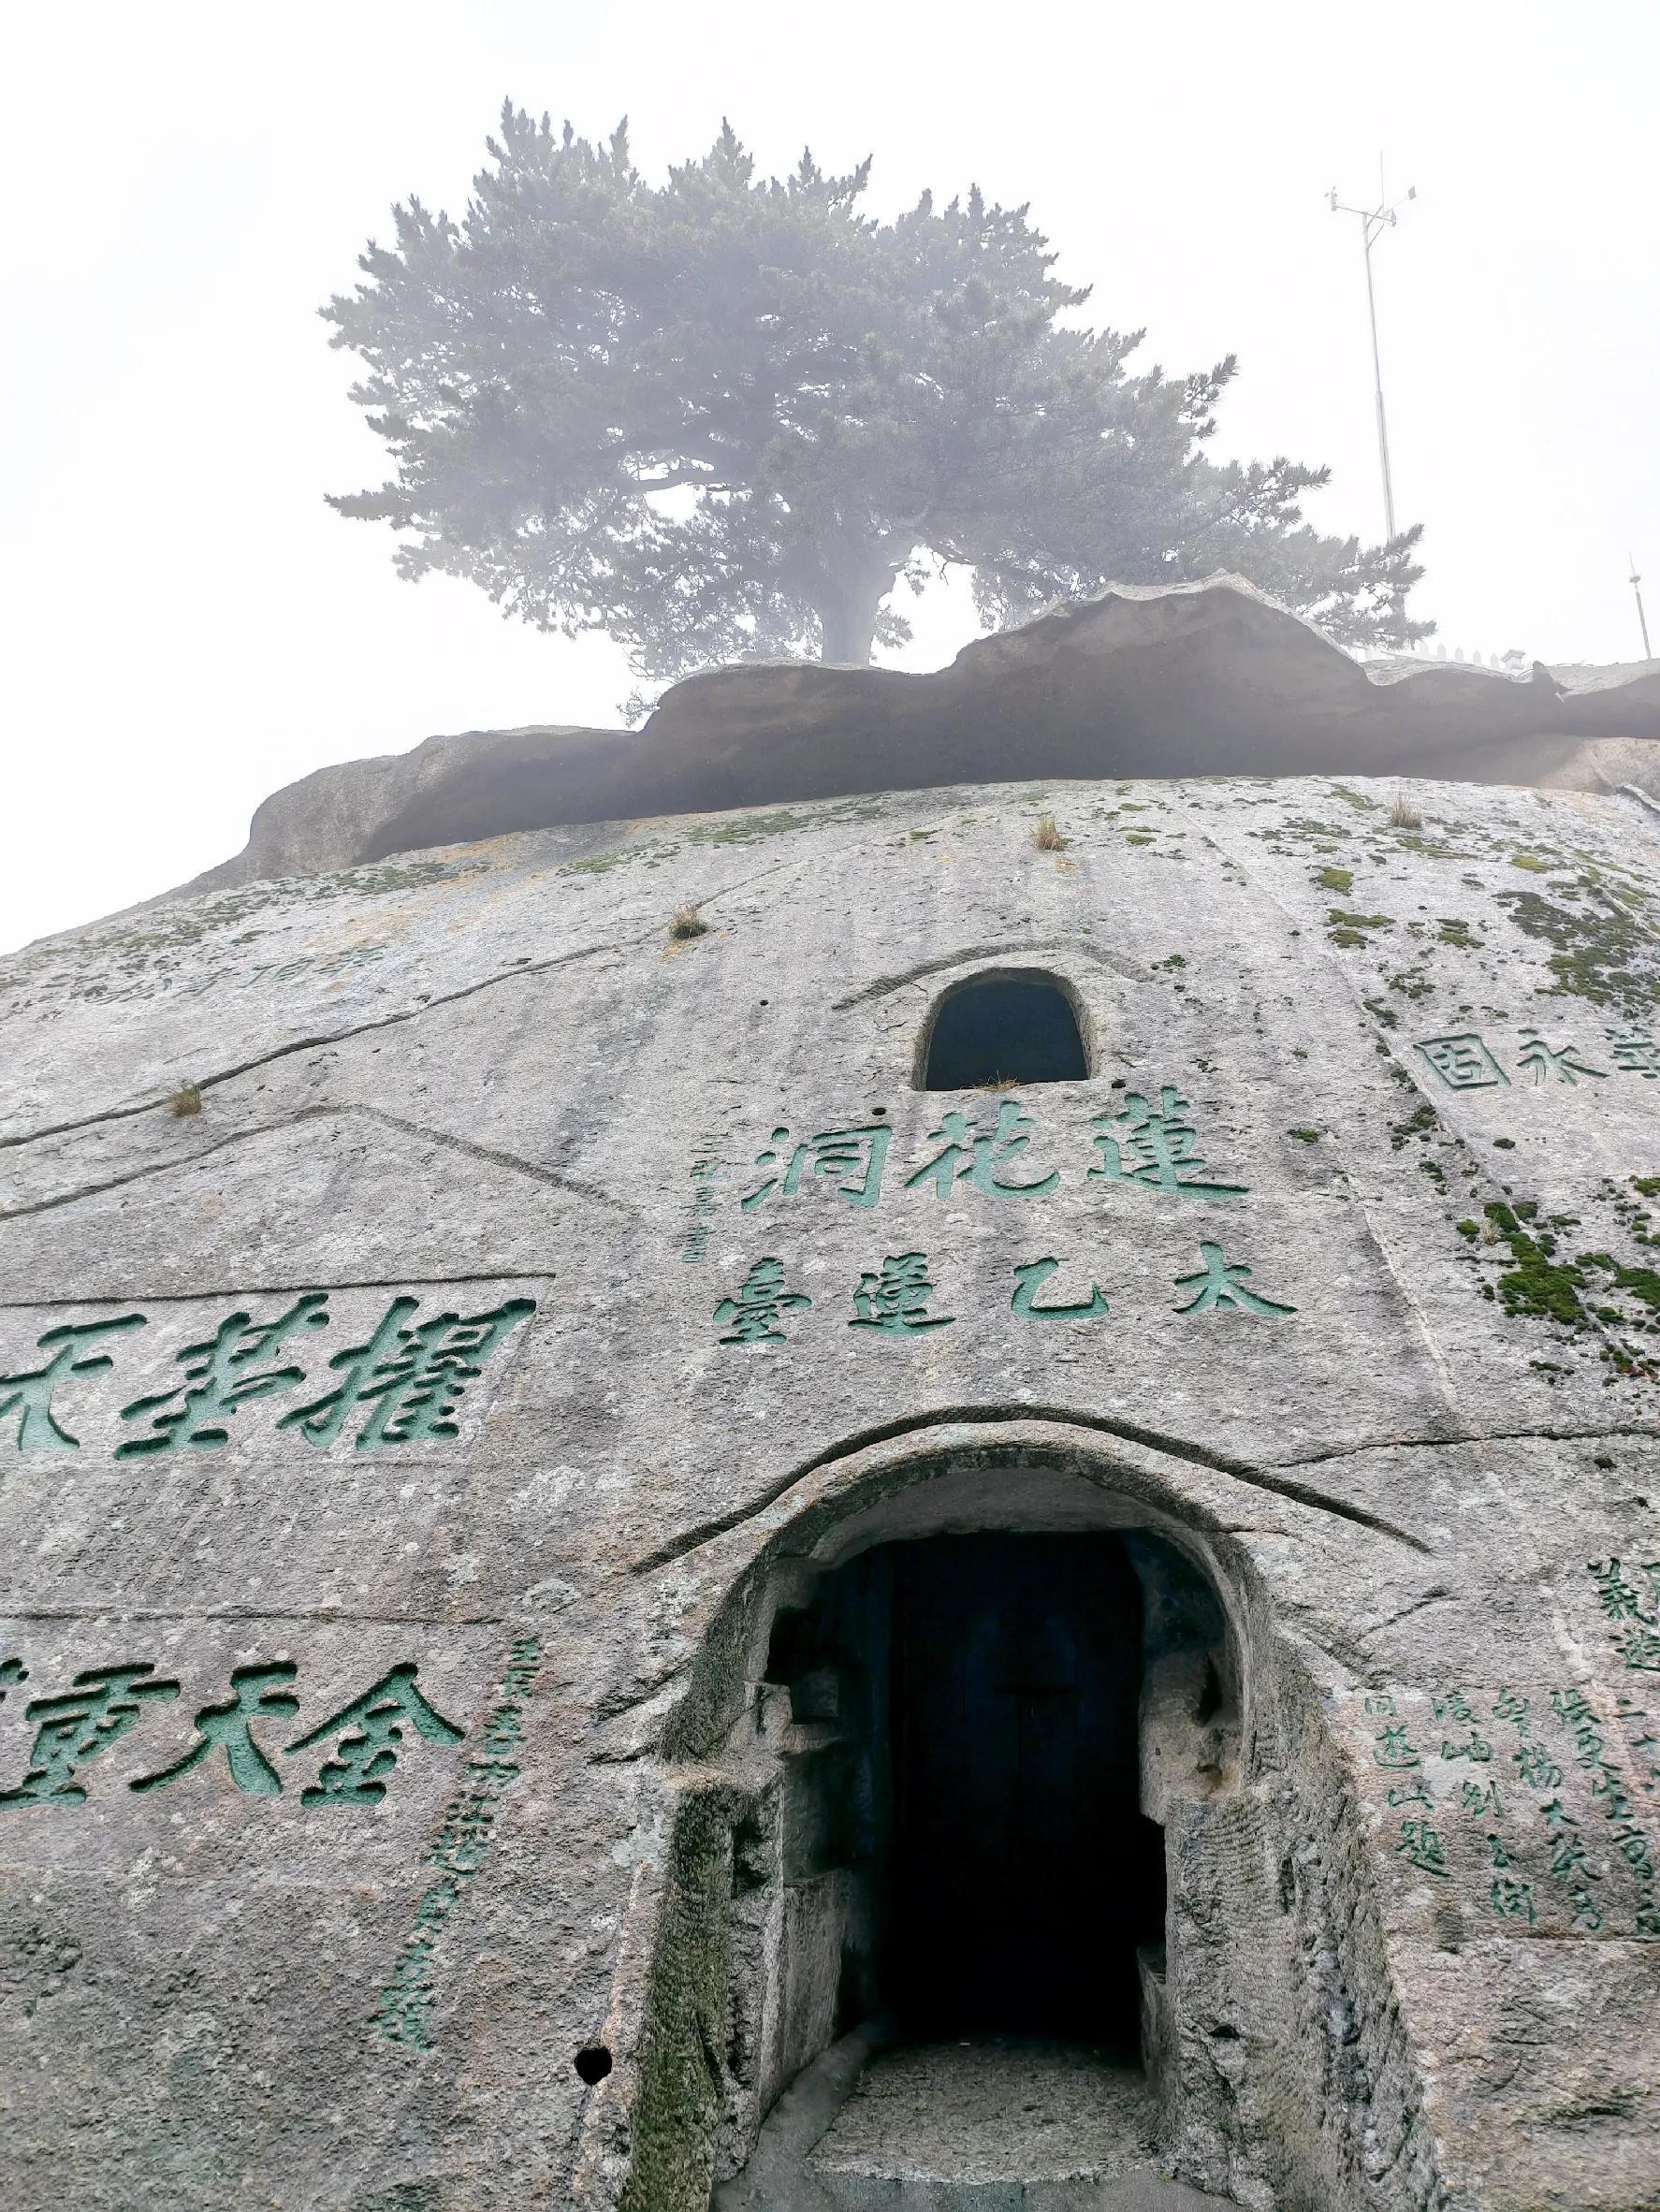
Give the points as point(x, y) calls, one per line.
point(1374, 222)
point(1642, 618)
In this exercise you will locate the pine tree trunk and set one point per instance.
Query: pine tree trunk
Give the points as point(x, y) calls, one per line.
point(847, 607)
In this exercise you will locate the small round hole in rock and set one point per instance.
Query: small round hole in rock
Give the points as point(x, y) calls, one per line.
point(593, 2063)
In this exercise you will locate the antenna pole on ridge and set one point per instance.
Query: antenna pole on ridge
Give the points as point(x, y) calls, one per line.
point(1642, 618)
point(1374, 222)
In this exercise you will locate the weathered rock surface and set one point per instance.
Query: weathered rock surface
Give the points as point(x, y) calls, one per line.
point(1372, 1395)
point(1193, 679)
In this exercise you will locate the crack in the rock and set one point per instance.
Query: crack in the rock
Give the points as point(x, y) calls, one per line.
point(408, 1014)
point(118, 1614)
point(1473, 1437)
point(422, 1129)
point(1023, 949)
point(997, 1417)
point(310, 1044)
point(305, 1282)
point(1440, 1595)
point(615, 1704)
point(166, 1167)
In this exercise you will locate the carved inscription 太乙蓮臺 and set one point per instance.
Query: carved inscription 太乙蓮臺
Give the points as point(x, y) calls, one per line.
point(894, 1298)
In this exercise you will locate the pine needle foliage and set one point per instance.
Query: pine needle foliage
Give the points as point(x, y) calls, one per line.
point(726, 416)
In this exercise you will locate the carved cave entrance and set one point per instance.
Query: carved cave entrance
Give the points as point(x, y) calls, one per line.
point(927, 1769)
point(962, 1847)
point(994, 1751)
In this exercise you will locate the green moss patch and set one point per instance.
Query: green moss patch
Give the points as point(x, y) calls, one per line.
point(1345, 928)
point(1449, 930)
point(1416, 1125)
point(1542, 1284)
point(1536, 1284)
point(1411, 982)
point(1601, 952)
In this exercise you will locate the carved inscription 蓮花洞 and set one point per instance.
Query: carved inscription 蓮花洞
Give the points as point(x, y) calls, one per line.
point(103, 1704)
point(849, 1160)
point(402, 1385)
point(403, 2014)
point(1149, 1146)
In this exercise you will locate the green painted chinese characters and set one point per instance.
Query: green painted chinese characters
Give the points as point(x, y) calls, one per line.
point(104, 1703)
point(402, 1385)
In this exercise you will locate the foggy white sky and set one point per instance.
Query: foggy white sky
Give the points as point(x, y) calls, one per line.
point(189, 626)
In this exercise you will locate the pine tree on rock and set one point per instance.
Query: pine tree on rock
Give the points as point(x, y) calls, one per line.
point(725, 418)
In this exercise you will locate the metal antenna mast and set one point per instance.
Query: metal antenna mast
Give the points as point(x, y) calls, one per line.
point(1642, 618)
point(1374, 222)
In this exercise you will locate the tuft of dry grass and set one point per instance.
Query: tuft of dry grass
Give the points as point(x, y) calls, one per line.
point(185, 1101)
point(999, 1083)
point(686, 923)
point(1047, 836)
point(1403, 814)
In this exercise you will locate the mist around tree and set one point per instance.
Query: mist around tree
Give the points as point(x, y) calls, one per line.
point(728, 417)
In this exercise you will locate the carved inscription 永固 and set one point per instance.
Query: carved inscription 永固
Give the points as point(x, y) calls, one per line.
point(1464, 1061)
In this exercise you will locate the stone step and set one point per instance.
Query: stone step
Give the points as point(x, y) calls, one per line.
point(1143, 2192)
point(997, 2125)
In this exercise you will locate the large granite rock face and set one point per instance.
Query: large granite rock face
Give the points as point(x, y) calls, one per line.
point(437, 1380)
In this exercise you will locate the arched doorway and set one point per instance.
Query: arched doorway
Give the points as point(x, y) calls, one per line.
point(895, 1579)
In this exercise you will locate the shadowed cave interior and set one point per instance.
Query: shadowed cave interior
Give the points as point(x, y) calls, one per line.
point(1012, 1028)
point(964, 1779)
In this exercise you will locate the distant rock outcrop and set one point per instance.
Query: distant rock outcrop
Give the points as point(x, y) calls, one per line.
point(1189, 680)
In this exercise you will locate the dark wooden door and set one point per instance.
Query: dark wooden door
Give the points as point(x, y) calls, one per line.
point(1021, 1875)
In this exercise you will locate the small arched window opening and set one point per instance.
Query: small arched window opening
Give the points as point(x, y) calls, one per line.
point(1019, 1027)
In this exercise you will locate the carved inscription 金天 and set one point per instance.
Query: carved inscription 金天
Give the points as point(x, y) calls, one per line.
point(103, 1704)
point(402, 1385)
